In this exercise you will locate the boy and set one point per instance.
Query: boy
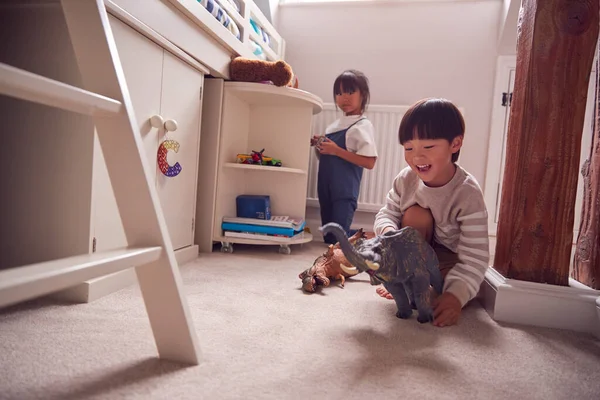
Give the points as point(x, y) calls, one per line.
point(443, 201)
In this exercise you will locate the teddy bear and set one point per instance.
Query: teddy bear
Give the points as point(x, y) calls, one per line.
point(250, 70)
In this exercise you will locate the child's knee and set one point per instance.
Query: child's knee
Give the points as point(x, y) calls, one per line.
point(419, 218)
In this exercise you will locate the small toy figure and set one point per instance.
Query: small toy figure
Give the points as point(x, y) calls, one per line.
point(258, 158)
point(331, 265)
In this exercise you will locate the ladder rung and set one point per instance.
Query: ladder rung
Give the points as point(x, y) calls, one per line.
point(25, 85)
point(34, 280)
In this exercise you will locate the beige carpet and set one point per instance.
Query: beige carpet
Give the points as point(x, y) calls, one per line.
point(263, 338)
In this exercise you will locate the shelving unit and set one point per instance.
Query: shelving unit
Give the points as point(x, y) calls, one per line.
point(241, 117)
point(264, 168)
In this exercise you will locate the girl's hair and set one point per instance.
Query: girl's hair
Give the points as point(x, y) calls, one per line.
point(432, 119)
point(350, 81)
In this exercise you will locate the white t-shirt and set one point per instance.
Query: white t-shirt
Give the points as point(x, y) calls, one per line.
point(360, 138)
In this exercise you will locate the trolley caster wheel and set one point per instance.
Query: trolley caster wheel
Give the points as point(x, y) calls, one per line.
point(285, 249)
point(226, 248)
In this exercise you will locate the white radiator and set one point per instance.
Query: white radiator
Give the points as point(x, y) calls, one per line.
point(376, 182)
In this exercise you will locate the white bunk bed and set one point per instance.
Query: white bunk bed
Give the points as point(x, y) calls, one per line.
point(211, 31)
point(242, 18)
point(188, 38)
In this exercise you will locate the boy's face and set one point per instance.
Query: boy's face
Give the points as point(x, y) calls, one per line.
point(431, 159)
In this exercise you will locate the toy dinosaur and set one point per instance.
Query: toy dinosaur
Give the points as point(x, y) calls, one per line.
point(331, 265)
point(400, 260)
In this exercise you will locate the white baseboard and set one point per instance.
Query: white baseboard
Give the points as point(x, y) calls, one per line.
point(94, 289)
point(572, 308)
point(186, 254)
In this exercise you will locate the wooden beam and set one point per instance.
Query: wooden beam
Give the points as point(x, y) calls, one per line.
point(555, 48)
point(586, 262)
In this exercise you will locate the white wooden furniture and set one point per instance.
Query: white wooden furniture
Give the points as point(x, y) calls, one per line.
point(239, 117)
point(274, 49)
point(165, 85)
point(191, 27)
point(169, 89)
point(105, 98)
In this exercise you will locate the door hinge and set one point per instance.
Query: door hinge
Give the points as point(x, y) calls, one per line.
point(201, 87)
point(193, 224)
point(506, 99)
point(93, 245)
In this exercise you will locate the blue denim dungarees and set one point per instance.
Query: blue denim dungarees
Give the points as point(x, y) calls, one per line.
point(338, 186)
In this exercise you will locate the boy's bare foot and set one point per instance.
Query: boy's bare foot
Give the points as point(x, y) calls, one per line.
point(384, 293)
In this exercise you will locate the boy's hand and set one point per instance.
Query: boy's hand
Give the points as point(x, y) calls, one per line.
point(328, 147)
point(387, 229)
point(447, 310)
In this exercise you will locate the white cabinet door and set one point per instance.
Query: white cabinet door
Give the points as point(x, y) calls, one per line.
point(142, 63)
point(180, 102)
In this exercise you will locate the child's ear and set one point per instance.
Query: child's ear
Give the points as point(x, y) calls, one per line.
point(456, 144)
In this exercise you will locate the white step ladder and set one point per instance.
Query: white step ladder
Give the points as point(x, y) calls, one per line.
point(106, 99)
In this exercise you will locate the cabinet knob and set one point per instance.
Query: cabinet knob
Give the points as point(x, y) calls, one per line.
point(156, 121)
point(170, 125)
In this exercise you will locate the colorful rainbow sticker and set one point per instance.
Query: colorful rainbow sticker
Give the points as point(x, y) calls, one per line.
point(163, 164)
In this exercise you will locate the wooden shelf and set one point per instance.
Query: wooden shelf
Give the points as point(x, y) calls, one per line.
point(265, 168)
point(304, 238)
point(271, 95)
point(253, 116)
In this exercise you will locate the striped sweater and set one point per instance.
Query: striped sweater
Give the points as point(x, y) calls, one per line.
point(460, 216)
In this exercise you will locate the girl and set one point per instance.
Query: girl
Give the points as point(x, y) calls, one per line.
point(347, 147)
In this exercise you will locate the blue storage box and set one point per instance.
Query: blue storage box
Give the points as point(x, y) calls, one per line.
point(253, 206)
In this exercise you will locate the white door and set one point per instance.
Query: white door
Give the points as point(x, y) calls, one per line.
point(507, 99)
point(181, 103)
point(142, 63)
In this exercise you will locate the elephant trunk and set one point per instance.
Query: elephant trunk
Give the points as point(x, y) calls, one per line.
point(350, 252)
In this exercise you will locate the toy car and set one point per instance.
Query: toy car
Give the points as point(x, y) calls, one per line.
point(258, 158)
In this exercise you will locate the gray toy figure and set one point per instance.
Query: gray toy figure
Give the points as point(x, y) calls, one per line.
point(400, 260)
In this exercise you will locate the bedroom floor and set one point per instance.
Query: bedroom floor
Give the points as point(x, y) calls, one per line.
point(263, 338)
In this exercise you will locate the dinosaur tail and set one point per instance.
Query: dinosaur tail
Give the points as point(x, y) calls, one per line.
point(351, 254)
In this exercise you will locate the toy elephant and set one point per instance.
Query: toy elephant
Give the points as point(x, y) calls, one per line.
point(402, 261)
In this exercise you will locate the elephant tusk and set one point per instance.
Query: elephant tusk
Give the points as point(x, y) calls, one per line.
point(373, 266)
point(349, 270)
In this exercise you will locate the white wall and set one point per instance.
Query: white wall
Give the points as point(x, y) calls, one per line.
point(507, 35)
point(409, 50)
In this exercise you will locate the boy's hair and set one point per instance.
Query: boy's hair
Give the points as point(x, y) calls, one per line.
point(350, 81)
point(432, 119)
